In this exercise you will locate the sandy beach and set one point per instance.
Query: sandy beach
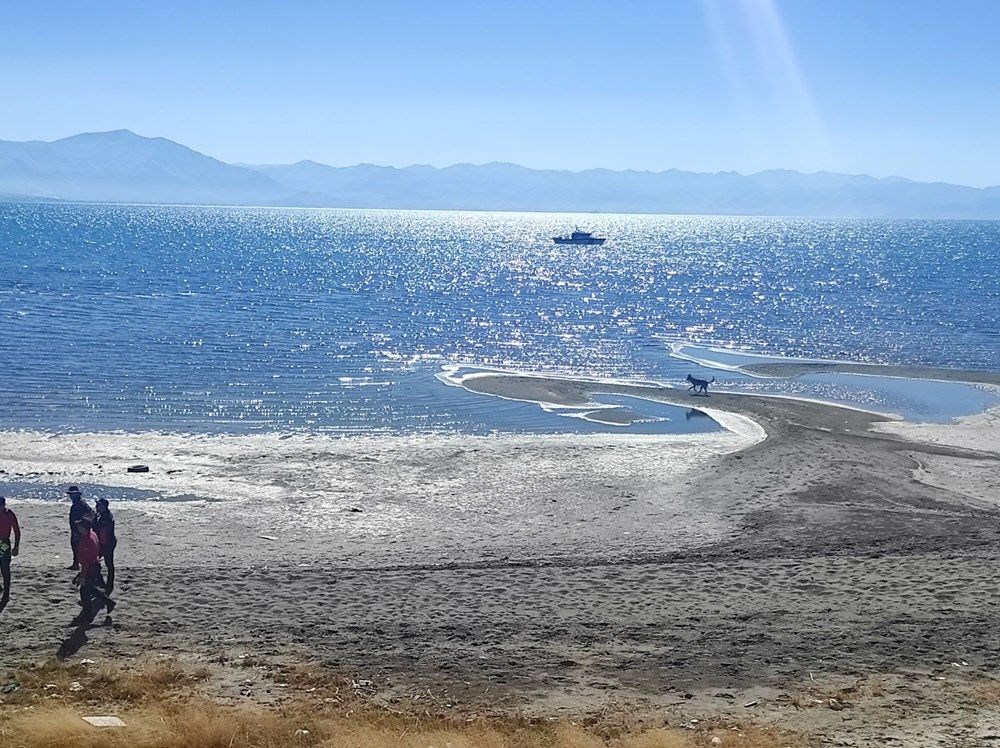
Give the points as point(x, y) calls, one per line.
point(836, 577)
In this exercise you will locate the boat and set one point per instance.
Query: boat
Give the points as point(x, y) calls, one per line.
point(579, 237)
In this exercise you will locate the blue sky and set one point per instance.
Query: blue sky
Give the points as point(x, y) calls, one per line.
point(910, 88)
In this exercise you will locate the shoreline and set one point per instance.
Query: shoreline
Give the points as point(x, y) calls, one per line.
point(931, 373)
point(567, 576)
point(333, 483)
point(791, 367)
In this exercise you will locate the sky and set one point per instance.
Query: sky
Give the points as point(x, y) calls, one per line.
point(873, 86)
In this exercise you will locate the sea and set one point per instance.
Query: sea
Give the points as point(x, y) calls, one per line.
point(222, 320)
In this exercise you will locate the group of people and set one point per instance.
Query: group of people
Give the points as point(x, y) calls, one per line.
point(92, 538)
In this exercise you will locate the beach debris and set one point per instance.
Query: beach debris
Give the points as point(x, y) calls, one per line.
point(76, 686)
point(355, 509)
point(716, 740)
point(836, 705)
point(267, 537)
point(105, 721)
point(750, 704)
point(300, 733)
point(10, 688)
point(86, 661)
point(138, 468)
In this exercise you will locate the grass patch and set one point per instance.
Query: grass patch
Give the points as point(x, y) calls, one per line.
point(987, 693)
point(164, 708)
point(106, 684)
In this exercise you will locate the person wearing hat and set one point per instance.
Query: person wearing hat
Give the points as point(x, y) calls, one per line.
point(8, 525)
point(78, 509)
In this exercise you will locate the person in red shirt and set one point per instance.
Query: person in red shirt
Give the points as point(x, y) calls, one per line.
point(104, 526)
point(8, 525)
point(92, 595)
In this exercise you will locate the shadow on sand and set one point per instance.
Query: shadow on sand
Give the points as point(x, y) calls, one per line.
point(78, 637)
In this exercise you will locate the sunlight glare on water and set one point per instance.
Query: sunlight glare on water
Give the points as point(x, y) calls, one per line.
point(237, 319)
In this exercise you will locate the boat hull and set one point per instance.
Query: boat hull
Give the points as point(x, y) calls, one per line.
point(567, 240)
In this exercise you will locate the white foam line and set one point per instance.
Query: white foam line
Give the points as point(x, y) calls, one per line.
point(738, 424)
point(750, 354)
point(448, 371)
point(707, 363)
point(587, 415)
point(676, 352)
point(549, 407)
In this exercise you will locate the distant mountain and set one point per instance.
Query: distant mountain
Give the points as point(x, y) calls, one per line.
point(510, 187)
point(121, 166)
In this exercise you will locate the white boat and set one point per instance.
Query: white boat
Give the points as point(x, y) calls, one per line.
point(579, 237)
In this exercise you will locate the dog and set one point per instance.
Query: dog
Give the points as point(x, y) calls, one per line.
point(700, 386)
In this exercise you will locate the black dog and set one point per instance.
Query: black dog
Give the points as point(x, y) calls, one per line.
point(700, 386)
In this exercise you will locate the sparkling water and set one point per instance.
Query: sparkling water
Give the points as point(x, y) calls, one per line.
point(198, 319)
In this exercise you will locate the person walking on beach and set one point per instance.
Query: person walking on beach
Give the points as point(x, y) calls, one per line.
point(92, 595)
point(8, 526)
point(104, 526)
point(78, 509)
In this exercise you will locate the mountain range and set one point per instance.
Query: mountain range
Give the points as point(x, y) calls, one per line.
point(121, 166)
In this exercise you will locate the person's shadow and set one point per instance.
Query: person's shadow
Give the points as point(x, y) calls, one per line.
point(3, 603)
point(72, 644)
point(75, 641)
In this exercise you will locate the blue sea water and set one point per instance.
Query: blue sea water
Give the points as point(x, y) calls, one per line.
point(199, 319)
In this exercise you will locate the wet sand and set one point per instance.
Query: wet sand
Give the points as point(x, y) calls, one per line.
point(589, 574)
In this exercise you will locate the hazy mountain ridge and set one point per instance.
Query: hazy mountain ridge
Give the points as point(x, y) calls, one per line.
point(121, 166)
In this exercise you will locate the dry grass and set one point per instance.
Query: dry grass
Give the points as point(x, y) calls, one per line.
point(840, 698)
point(108, 684)
point(986, 693)
point(163, 710)
point(199, 724)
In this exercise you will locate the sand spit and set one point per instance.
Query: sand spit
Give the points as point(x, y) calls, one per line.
point(570, 576)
